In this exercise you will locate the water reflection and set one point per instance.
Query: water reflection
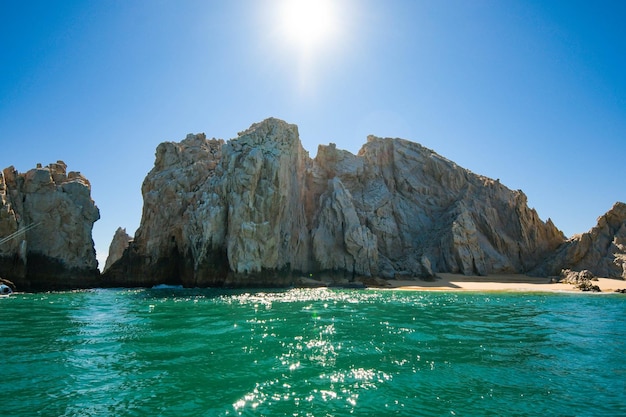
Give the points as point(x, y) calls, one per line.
point(310, 352)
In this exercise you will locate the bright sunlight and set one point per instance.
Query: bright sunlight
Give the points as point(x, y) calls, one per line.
point(312, 35)
point(308, 24)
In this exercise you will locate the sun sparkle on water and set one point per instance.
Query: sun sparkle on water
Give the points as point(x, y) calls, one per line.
point(310, 352)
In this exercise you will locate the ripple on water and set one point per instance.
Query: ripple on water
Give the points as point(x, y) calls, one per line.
point(174, 352)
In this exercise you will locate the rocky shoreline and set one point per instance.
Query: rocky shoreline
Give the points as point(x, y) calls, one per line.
point(257, 211)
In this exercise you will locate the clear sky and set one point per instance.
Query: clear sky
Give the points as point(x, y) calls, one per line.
point(530, 92)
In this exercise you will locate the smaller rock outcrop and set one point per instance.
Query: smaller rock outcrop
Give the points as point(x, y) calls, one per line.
point(602, 250)
point(118, 245)
point(46, 220)
point(579, 279)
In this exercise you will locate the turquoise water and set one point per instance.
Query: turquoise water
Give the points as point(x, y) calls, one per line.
point(175, 352)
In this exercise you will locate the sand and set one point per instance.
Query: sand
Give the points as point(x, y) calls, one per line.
point(505, 282)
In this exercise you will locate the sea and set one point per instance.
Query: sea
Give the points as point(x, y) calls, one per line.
point(170, 351)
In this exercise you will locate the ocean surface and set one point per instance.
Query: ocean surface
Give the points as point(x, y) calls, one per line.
point(312, 352)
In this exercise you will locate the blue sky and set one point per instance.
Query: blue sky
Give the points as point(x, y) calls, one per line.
point(532, 93)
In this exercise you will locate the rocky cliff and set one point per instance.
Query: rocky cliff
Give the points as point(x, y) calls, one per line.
point(46, 219)
point(258, 211)
point(602, 250)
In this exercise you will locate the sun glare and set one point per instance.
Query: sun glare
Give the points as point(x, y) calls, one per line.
point(310, 35)
point(308, 24)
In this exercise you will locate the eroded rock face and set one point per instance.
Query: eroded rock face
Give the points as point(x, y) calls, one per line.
point(340, 241)
point(430, 215)
point(55, 211)
point(602, 250)
point(257, 211)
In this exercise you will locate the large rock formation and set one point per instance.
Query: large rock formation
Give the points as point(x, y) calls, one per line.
point(257, 211)
point(46, 219)
point(602, 250)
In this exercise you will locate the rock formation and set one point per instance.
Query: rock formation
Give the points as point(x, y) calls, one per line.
point(581, 280)
point(46, 219)
point(118, 245)
point(602, 250)
point(257, 211)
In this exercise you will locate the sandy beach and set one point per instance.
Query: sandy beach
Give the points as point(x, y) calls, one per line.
point(504, 282)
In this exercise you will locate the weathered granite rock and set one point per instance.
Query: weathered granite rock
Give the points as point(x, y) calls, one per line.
point(118, 245)
point(430, 215)
point(340, 242)
point(576, 277)
point(580, 279)
point(161, 250)
point(602, 250)
point(257, 211)
point(51, 214)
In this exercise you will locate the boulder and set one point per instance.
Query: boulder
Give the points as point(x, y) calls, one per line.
point(579, 279)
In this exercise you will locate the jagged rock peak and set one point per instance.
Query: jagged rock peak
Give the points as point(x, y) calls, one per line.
point(269, 131)
point(118, 245)
point(613, 220)
point(601, 250)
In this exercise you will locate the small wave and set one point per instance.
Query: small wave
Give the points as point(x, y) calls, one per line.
point(167, 287)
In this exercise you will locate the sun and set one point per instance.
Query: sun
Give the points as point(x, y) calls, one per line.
point(308, 24)
point(311, 36)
